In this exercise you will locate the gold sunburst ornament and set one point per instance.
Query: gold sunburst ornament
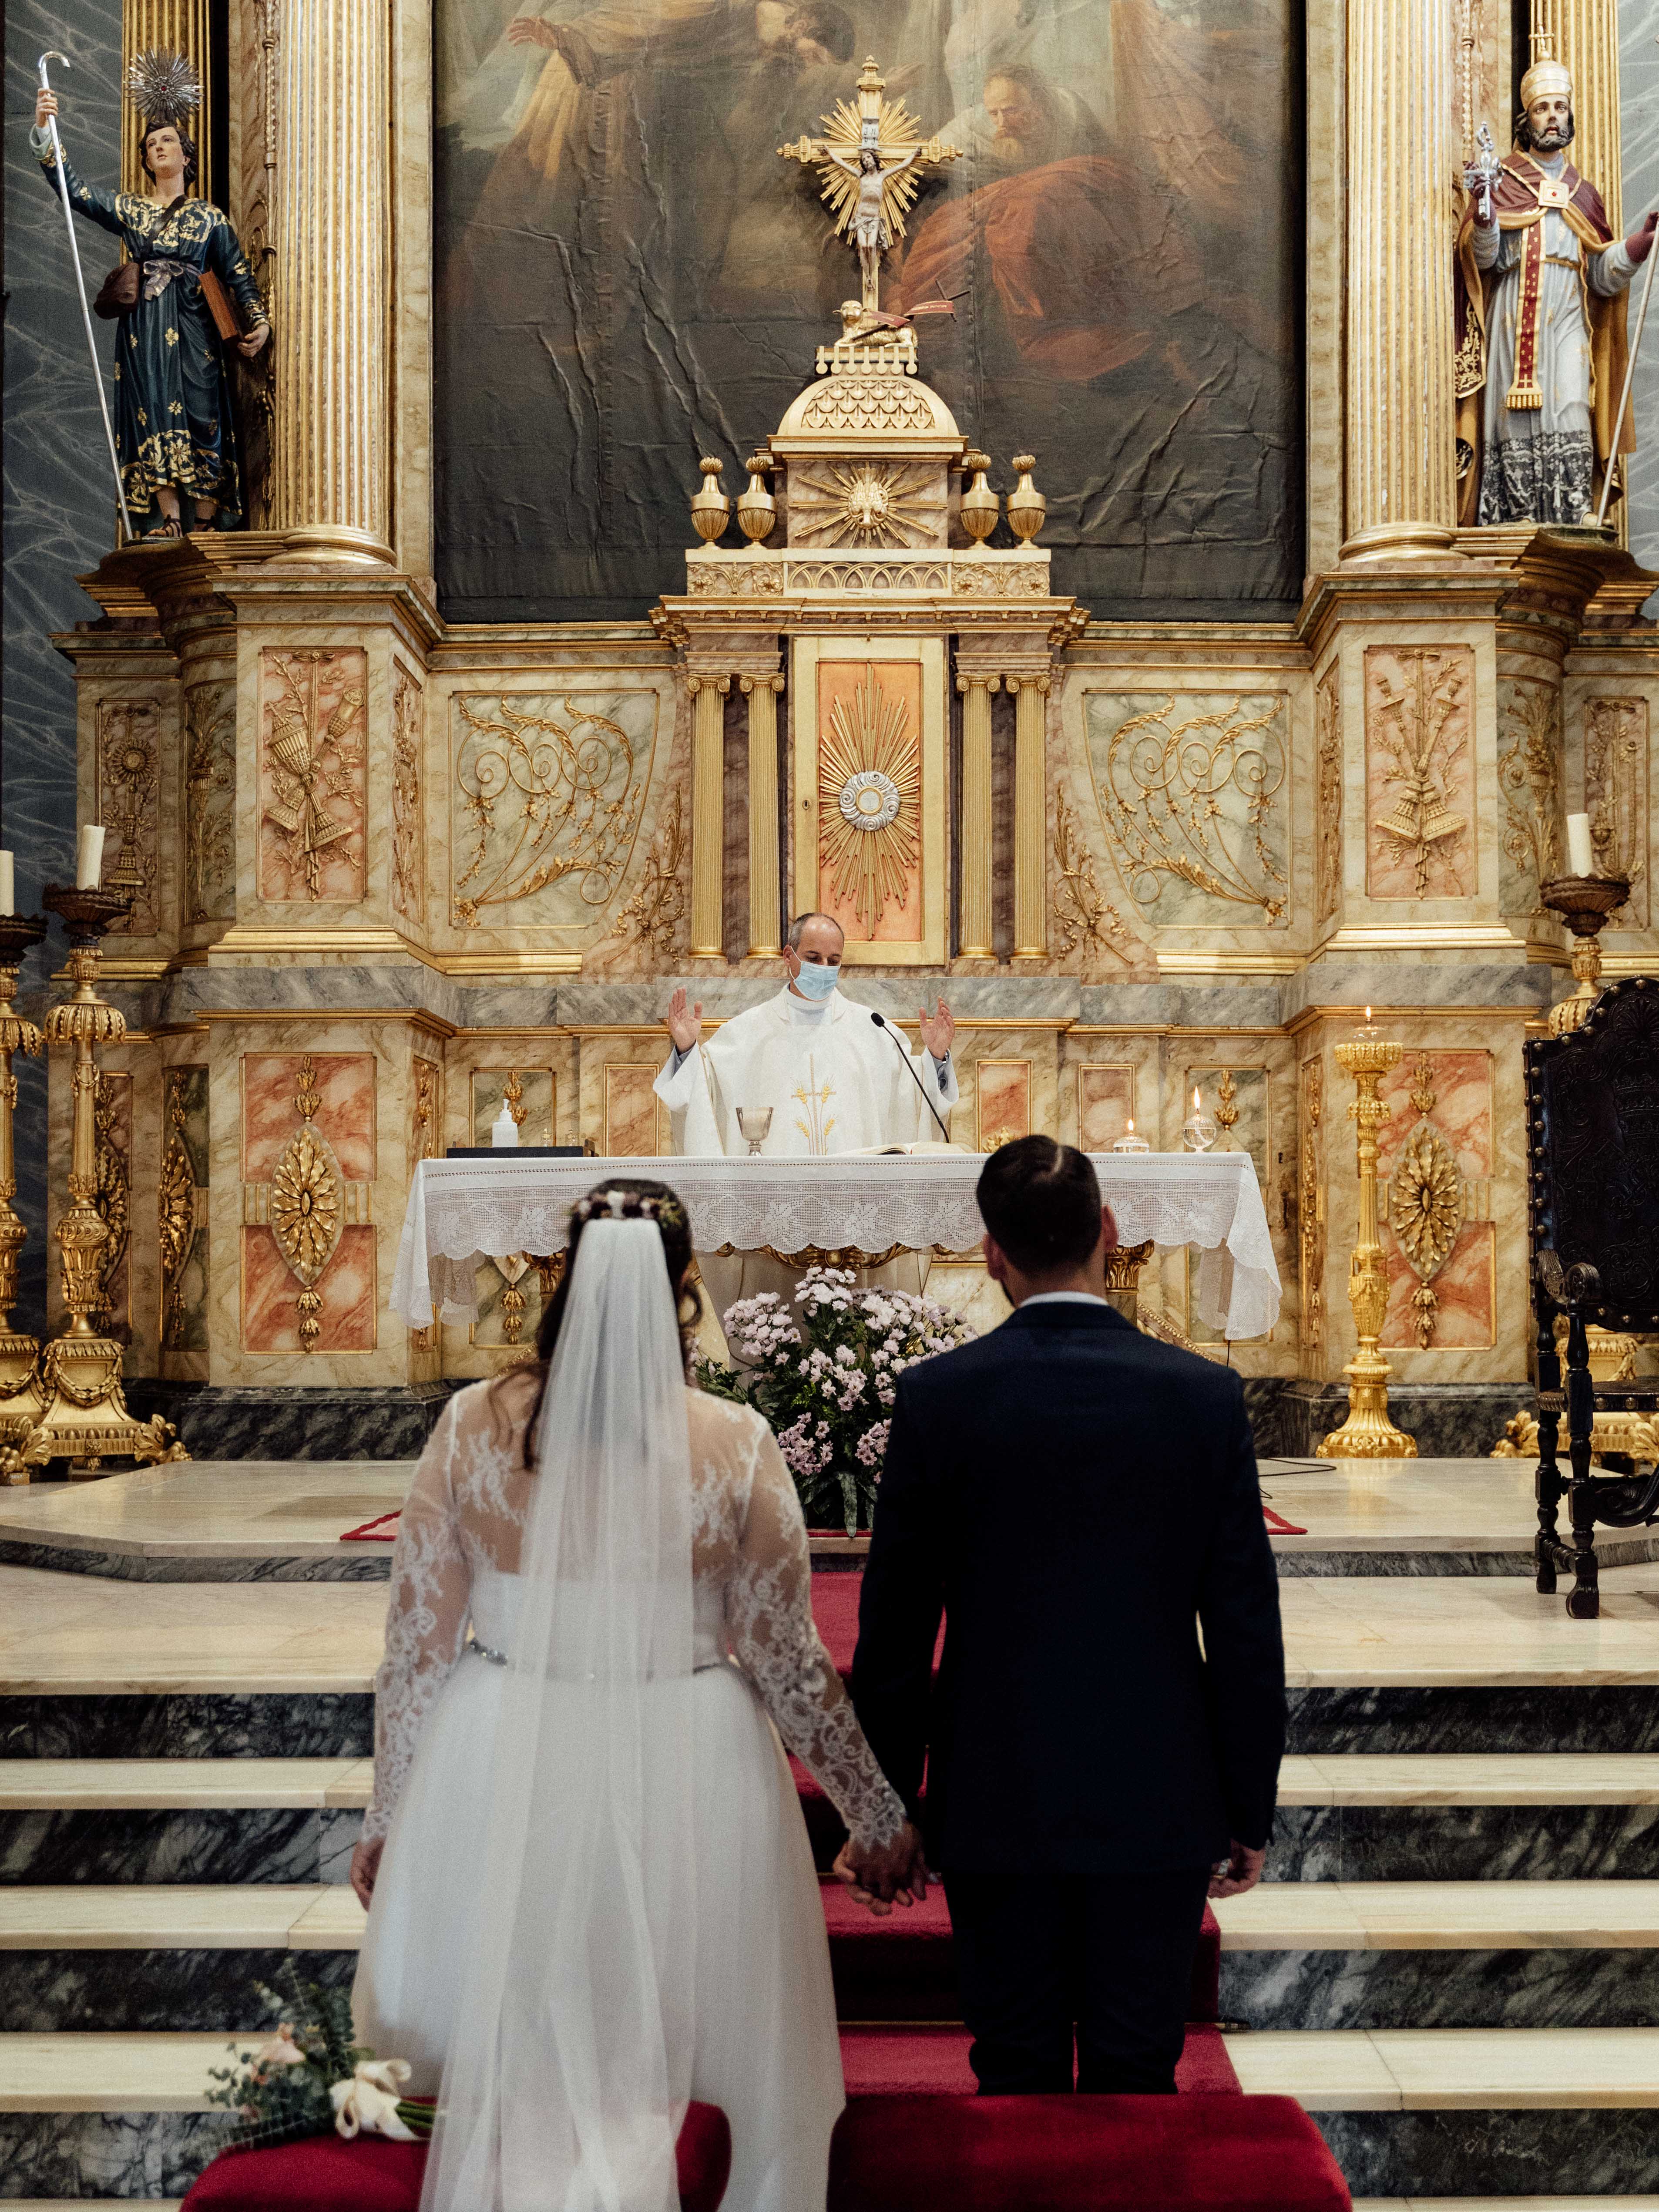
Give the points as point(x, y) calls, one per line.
point(869, 789)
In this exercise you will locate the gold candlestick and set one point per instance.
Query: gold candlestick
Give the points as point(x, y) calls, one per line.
point(1368, 1433)
point(21, 1402)
point(85, 1417)
point(1584, 903)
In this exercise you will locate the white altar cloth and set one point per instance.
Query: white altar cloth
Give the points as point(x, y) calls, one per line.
point(459, 1210)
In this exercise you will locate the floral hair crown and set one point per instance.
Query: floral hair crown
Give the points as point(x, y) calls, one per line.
point(629, 1206)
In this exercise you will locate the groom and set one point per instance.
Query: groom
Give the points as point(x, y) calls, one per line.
point(1081, 1502)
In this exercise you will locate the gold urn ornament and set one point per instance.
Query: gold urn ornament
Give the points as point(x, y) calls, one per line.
point(711, 510)
point(980, 506)
point(757, 511)
point(1027, 508)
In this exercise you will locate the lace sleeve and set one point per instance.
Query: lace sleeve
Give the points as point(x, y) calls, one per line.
point(425, 1623)
point(768, 1616)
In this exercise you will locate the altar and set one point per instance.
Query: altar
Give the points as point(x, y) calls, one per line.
point(464, 1209)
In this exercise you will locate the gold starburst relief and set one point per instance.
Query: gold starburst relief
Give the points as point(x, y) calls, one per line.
point(869, 791)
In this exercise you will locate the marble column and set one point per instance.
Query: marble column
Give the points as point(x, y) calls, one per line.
point(708, 814)
point(974, 872)
point(764, 892)
point(177, 26)
point(1402, 482)
point(331, 287)
point(1030, 816)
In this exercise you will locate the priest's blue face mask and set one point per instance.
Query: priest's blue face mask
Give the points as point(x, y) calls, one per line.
point(816, 982)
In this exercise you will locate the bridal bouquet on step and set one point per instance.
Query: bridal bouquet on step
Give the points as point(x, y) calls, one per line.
point(312, 2076)
point(824, 1372)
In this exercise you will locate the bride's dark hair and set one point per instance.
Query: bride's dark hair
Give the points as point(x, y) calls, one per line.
point(637, 1201)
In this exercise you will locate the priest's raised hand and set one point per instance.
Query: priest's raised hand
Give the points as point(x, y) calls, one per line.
point(837, 1077)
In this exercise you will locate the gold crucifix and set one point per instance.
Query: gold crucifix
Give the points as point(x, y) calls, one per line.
point(870, 159)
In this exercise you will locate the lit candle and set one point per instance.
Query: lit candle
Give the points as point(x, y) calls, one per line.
point(1581, 852)
point(1197, 1102)
point(8, 886)
point(1128, 1127)
point(88, 858)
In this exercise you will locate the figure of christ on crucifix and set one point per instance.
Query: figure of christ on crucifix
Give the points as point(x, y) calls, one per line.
point(870, 159)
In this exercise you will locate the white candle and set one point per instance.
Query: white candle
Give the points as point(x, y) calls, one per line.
point(8, 886)
point(504, 1130)
point(88, 858)
point(1581, 853)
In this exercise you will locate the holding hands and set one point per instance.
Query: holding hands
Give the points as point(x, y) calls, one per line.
point(1239, 1871)
point(888, 1875)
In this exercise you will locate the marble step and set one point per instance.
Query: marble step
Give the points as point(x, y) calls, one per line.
point(1511, 2114)
point(1496, 2204)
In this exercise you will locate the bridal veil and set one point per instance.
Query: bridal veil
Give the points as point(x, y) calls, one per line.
point(568, 2079)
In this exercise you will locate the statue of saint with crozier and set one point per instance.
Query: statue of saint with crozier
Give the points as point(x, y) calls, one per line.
point(832, 1076)
point(1540, 322)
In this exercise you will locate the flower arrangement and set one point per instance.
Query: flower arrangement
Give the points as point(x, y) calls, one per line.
point(311, 2077)
point(824, 1373)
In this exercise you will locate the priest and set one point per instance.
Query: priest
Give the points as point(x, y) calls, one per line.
point(837, 1078)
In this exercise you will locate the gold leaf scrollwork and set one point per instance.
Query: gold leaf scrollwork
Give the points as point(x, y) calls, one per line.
point(1085, 918)
point(658, 907)
point(1422, 728)
point(406, 886)
point(1615, 795)
point(307, 1205)
point(1529, 777)
point(127, 775)
point(869, 788)
point(1310, 1224)
point(1426, 1211)
point(209, 824)
point(111, 1197)
point(314, 764)
point(1226, 1106)
point(1327, 807)
point(176, 1217)
point(549, 795)
point(1169, 774)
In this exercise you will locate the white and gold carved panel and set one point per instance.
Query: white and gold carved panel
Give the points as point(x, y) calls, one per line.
point(1616, 797)
point(1529, 788)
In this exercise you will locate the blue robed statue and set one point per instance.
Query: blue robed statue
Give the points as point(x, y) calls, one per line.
point(174, 437)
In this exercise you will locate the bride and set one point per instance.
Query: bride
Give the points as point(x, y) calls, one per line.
point(591, 1894)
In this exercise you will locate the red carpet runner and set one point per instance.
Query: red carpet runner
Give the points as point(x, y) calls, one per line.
point(902, 2032)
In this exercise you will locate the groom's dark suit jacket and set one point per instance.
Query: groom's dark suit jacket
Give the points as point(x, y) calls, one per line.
point(1080, 1500)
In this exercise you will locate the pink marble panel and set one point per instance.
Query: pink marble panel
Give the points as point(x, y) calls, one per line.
point(1460, 1085)
point(1105, 1101)
point(270, 1314)
point(1003, 1109)
point(1463, 1291)
point(632, 1122)
point(345, 1084)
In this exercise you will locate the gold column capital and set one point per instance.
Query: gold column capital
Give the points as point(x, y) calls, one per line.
point(974, 679)
point(747, 684)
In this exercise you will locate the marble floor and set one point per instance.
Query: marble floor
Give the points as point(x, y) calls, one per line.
point(245, 1510)
point(80, 1635)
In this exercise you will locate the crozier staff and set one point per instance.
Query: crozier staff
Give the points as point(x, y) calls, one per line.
point(836, 1077)
point(172, 415)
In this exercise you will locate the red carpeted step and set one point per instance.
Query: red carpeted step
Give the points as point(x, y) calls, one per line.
point(902, 1967)
point(836, 1609)
point(933, 2061)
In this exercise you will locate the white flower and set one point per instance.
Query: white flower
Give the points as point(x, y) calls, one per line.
point(368, 2100)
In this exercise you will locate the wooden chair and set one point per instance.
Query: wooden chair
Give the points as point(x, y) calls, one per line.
point(1593, 1218)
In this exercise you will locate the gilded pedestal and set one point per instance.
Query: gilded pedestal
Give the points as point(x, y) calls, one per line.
point(20, 1402)
point(1584, 903)
point(84, 1417)
point(1368, 1433)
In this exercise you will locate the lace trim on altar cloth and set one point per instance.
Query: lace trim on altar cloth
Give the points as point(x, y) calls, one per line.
point(459, 1210)
point(1546, 478)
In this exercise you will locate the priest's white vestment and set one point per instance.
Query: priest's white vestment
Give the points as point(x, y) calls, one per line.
point(836, 1082)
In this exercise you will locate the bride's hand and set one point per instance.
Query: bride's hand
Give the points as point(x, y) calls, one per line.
point(896, 1872)
point(364, 1867)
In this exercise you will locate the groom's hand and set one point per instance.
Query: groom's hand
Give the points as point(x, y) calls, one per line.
point(1241, 1871)
point(894, 1872)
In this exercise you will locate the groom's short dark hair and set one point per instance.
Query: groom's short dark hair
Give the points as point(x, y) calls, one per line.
point(1040, 1201)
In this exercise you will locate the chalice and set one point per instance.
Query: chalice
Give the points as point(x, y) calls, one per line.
point(755, 1123)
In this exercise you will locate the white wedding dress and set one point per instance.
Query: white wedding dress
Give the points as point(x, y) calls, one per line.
point(765, 2047)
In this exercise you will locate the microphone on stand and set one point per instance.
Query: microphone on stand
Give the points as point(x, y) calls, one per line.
point(880, 1021)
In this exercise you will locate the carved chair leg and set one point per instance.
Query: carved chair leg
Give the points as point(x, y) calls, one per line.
point(1548, 1488)
point(1584, 1598)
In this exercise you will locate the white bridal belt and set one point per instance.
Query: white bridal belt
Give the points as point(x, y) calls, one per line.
point(460, 1210)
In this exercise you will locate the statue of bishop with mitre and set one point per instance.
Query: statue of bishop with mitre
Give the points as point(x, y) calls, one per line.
point(1540, 322)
